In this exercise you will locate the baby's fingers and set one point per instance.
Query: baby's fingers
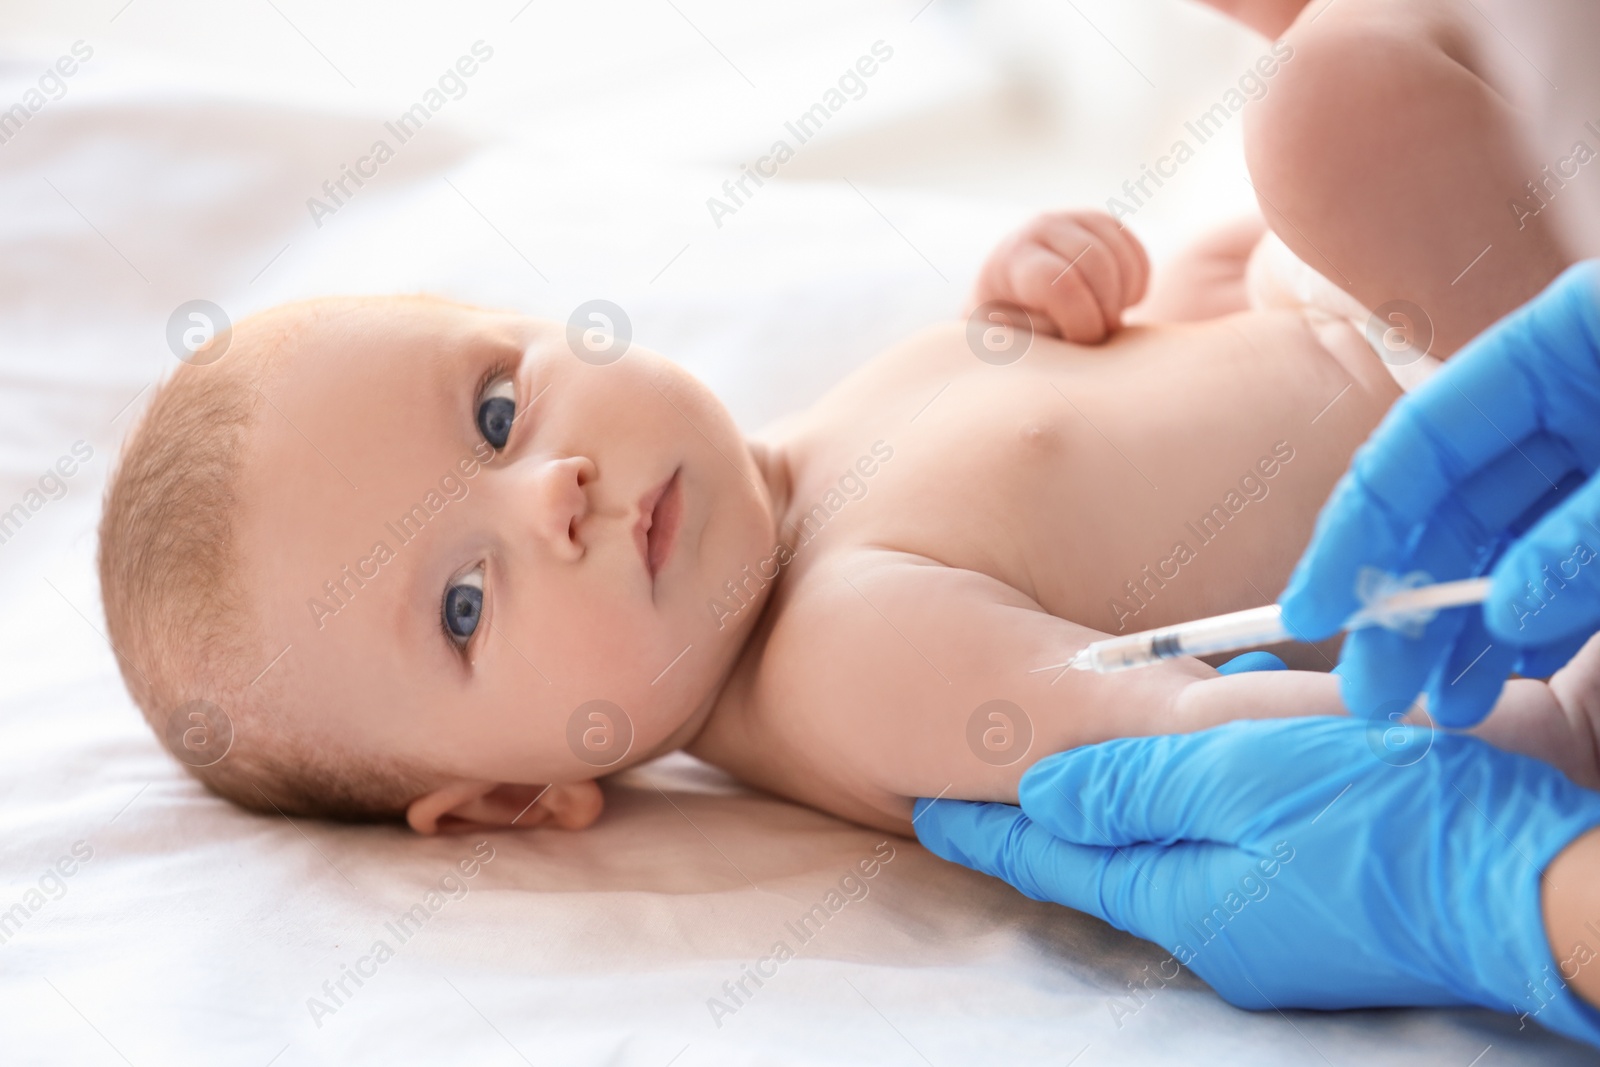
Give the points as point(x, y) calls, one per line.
point(994, 286)
point(1084, 262)
point(1133, 263)
point(1042, 280)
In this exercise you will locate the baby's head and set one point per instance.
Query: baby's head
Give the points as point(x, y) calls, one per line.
point(403, 544)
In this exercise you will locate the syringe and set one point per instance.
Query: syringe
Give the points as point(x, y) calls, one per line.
point(1263, 626)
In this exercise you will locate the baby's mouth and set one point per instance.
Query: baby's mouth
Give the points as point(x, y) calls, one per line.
point(657, 531)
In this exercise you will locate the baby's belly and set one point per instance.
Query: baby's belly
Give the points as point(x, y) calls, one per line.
point(1174, 473)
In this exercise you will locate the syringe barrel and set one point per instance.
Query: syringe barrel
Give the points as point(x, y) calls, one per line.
point(1221, 633)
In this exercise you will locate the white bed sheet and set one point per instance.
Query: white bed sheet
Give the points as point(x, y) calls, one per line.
point(197, 934)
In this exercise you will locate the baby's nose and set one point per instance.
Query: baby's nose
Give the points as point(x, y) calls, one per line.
point(561, 503)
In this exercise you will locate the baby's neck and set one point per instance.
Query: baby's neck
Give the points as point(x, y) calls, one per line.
point(718, 738)
point(702, 732)
point(705, 733)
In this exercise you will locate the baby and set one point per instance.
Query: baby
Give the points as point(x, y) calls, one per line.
point(402, 557)
point(442, 562)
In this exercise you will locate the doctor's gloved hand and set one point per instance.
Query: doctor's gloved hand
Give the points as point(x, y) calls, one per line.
point(1486, 469)
point(1301, 862)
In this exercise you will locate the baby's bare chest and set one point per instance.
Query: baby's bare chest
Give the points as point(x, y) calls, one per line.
point(1121, 488)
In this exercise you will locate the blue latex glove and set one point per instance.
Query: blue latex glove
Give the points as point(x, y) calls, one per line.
point(1291, 863)
point(1253, 661)
point(1491, 460)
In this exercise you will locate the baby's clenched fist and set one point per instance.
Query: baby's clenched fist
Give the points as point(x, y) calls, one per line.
point(1073, 272)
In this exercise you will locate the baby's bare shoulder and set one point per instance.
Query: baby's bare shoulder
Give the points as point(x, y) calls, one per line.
point(867, 627)
point(835, 603)
point(855, 663)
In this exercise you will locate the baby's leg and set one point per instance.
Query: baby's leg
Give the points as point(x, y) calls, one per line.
point(1529, 720)
point(1556, 721)
point(1384, 161)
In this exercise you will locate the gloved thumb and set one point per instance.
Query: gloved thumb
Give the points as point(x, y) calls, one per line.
point(1547, 585)
point(1253, 661)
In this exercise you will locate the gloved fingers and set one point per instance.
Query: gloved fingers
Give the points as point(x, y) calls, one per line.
point(1547, 585)
point(1468, 681)
point(1137, 888)
point(1472, 437)
point(1253, 661)
point(1557, 338)
point(972, 834)
point(1428, 446)
point(1466, 531)
point(1355, 529)
point(1000, 841)
point(1362, 527)
point(1381, 671)
point(1214, 785)
point(1511, 491)
point(1533, 370)
point(1537, 370)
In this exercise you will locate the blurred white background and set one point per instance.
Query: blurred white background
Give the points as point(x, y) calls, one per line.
point(1035, 102)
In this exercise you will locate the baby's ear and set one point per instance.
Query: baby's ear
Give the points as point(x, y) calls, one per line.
point(467, 807)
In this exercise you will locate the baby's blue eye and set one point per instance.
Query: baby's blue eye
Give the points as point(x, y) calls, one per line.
point(497, 410)
point(463, 606)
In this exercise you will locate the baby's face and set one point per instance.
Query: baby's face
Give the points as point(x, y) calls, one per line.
point(463, 532)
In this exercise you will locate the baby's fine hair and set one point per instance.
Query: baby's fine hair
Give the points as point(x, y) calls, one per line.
point(178, 616)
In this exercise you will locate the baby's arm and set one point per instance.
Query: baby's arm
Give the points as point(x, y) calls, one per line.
point(1557, 721)
point(1085, 304)
point(881, 679)
point(1206, 279)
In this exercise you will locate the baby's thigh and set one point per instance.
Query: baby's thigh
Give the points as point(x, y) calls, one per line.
point(1348, 88)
